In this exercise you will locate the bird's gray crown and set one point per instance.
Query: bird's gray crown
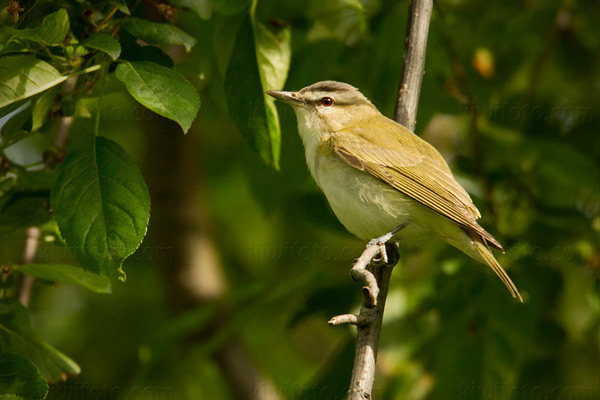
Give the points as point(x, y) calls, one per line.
point(342, 93)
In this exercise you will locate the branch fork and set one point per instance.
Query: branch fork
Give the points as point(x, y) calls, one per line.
point(367, 269)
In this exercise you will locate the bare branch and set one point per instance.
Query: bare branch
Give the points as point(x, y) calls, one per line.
point(30, 246)
point(373, 272)
point(368, 321)
point(413, 65)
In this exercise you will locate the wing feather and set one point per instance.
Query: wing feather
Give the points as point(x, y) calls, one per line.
point(396, 156)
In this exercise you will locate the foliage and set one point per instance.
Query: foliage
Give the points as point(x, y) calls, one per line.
point(507, 98)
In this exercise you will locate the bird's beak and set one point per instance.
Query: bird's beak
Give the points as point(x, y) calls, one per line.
point(288, 97)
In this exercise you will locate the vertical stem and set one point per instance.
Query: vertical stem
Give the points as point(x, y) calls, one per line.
point(367, 340)
point(30, 246)
point(407, 102)
point(413, 65)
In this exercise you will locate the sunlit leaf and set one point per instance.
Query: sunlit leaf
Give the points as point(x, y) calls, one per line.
point(20, 378)
point(66, 273)
point(157, 33)
point(16, 336)
point(101, 204)
point(25, 76)
point(104, 42)
point(259, 62)
point(52, 32)
point(162, 90)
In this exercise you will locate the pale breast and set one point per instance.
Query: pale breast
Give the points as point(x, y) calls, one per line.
point(367, 207)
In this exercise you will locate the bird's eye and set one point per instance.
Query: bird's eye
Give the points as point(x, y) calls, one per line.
point(327, 101)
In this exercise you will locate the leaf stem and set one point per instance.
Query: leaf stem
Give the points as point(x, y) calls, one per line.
point(102, 80)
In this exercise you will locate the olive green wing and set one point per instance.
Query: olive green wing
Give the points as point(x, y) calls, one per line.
point(396, 156)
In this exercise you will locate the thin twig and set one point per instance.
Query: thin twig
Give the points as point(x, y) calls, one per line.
point(373, 272)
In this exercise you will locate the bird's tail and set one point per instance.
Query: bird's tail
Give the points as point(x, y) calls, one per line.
point(485, 253)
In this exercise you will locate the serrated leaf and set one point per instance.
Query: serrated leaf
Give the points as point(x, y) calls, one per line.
point(21, 379)
point(16, 336)
point(52, 32)
point(66, 273)
point(25, 76)
point(103, 42)
point(157, 33)
point(101, 204)
point(251, 109)
point(162, 90)
point(229, 7)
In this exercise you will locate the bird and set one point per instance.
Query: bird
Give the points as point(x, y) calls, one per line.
point(382, 181)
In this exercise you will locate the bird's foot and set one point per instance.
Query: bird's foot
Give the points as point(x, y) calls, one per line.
point(382, 240)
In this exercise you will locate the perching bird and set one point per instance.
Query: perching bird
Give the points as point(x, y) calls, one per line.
point(381, 180)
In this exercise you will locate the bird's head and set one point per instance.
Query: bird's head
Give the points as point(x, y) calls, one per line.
point(328, 105)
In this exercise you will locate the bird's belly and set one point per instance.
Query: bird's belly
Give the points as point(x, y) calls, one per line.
point(367, 207)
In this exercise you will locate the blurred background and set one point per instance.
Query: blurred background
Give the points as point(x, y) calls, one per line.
point(229, 295)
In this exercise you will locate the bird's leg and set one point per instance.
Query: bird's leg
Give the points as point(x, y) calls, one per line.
point(382, 240)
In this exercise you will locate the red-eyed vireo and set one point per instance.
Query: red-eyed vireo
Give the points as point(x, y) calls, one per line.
point(381, 180)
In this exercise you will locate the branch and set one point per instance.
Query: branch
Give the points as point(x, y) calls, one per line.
point(30, 246)
point(413, 63)
point(33, 233)
point(369, 269)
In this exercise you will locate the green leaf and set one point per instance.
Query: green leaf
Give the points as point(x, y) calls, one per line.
point(229, 7)
point(24, 201)
point(121, 6)
point(25, 76)
point(342, 20)
point(260, 62)
point(41, 106)
point(19, 209)
point(133, 52)
point(101, 204)
point(104, 42)
point(14, 128)
point(66, 273)
point(202, 8)
point(157, 33)
point(162, 90)
point(21, 379)
point(52, 32)
point(16, 336)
